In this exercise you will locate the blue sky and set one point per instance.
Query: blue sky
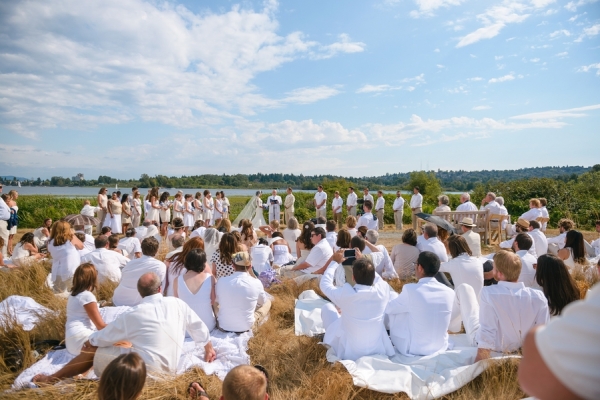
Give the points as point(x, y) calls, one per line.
point(357, 88)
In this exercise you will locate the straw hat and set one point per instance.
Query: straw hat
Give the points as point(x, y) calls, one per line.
point(242, 259)
point(523, 223)
point(467, 222)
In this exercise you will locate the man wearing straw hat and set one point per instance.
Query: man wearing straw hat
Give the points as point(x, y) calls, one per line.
point(473, 239)
point(522, 226)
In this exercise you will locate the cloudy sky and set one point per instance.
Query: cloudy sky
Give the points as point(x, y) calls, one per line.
point(361, 88)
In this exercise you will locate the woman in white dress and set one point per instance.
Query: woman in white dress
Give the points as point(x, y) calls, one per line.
point(351, 225)
point(226, 205)
point(164, 212)
point(218, 212)
point(291, 233)
point(574, 250)
point(303, 243)
point(153, 212)
point(102, 203)
point(175, 264)
point(113, 219)
point(197, 203)
point(25, 251)
point(127, 212)
point(258, 219)
point(281, 249)
point(208, 206)
point(83, 318)
point(178, 207)
point(188, 214)
point(136, 209)
point(196, 287)
point(63, 246)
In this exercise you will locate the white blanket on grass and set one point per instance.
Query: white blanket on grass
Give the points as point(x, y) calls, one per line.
point(425, 377)
point(23, 310)
point(231, 351)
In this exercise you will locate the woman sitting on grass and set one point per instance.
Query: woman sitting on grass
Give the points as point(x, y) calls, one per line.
point(25, 251)
point(574, 250)
point(123, 378)
point(82, 316)
point(558, 285)
point(63, 246)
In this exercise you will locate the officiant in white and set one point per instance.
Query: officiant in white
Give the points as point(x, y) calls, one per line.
point(274, 201)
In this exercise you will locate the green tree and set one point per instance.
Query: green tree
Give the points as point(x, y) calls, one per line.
point(429, 185)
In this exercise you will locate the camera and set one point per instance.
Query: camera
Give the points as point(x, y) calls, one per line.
point(350, 257)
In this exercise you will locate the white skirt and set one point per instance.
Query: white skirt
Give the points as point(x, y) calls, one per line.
point(114, 223)
point(188, 220)
point(165, 215)
point(152, 215)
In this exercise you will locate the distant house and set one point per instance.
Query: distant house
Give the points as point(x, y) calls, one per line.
point(78, 177)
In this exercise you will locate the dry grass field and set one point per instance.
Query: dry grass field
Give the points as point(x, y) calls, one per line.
point(297, 365)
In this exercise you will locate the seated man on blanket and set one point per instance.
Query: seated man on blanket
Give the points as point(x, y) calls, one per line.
point(505, 312)
point(357, 330)
point(242, 300)
point(419, 317)
point(318, 256)
point(155, 328)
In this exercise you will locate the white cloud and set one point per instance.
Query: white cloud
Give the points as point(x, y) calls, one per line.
point(440, 66)
point(436, 50)
point(419, 79)
point(557, 114)
point(377, 88)
point(81, 64)
point(475, 79)
point(589, 32)
point(573, 5)
point(587, 68)
point(504, 78)
point(498, 58)
point(497, 17)
point(562, 54)
point(427, 7)
point(560, 32)
point(310, 95)
point(460, 89)
point(479, 108)
point(534, 60)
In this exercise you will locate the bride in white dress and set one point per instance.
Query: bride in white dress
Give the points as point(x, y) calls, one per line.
point(252, 211)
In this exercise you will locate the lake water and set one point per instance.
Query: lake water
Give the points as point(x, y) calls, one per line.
point(91, 191)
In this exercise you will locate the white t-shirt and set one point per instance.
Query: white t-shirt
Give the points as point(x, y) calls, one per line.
point(238, 295)
point(320, 197)
point(337, 202)
point(569, 346)
point(262, 257)
point(131, 245)
point(78, 323)
point(380, 203)
point(398, 204)
point(367, 220)
point(318, 256)
point(351, 200)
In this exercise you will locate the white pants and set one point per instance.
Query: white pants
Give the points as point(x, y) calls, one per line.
point(4, 235)
point(466, 307)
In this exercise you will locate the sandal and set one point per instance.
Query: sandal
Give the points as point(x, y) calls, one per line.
point(198, 393)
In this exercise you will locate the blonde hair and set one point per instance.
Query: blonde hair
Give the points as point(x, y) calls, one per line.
point(274, 225)
point(535, 202)
point(351, 221)
point(61, 233)
point(245, 383)
point(509, 264)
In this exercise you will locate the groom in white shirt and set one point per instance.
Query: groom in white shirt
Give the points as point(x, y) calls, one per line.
point(320, 202)
point(351, 202)
point(398, 208)
point(336, 207)
point(275, 203)
point(416, 205)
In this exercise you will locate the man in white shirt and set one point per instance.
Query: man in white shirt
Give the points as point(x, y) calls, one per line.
point(419, 317)
point(88, 242)
point(318, 256)
point(261, 255)
point(463, 267)
point(432, 243)
point(155, 329)
point(351, 202)
point(141, 231)
point(126, 294)
point(560, 359)
point(398, 208)
point(491, 205)
point(336, 207)
point(522, 226)
point(539, 239)
point(532, 214)
point(368, 196)
point(177, 242)
point(358, 329)
point(108, 263)
point(473, 239)
point(367, 218)
point(274, 201)
point(503, 210)
point(506, 311)
point(379, 209)
point(416, 205)
point(385, 267)
point(89, 211)
point(557, 243)
point(331, 234)
point(320, 202)
point(466, 204)
point(243, 303)
point(131, 244)
point(290, 199)
point(521, 246)
point(544, 211)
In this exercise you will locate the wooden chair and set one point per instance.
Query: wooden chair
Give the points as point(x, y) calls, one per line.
point(542, 221)
point(494, 227)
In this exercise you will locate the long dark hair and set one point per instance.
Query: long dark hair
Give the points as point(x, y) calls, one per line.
point(574, 240)
point(304, 237)
point(227, 248)
point(123, 378)
point(84, 278)
point(557, 283)
point(164, 197)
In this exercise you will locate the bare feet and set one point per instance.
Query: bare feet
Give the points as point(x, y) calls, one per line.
point(44, 379)
point(197, 392)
